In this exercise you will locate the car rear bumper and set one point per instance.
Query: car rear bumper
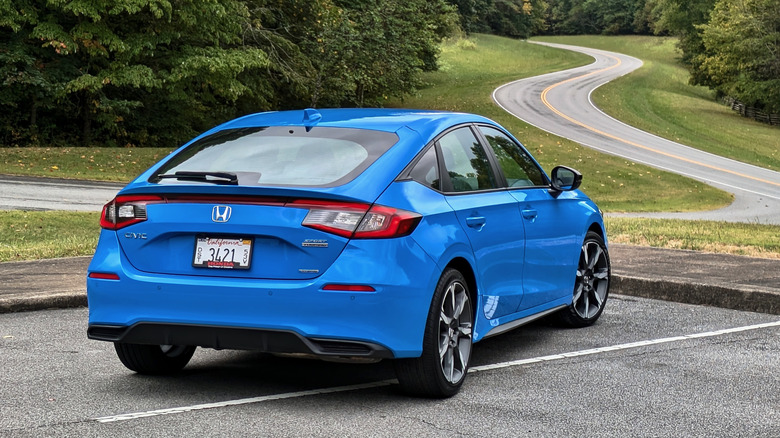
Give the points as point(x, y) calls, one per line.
point(284, 316)
point(234, 338)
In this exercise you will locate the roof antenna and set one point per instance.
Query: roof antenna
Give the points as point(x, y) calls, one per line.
point(310, 118)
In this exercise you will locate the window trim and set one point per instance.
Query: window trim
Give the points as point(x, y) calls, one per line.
point(444, 176)
point(486, 145)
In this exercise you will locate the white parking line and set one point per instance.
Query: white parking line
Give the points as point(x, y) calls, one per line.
point(299, 394)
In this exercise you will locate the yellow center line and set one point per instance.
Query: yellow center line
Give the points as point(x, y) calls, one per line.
point(629, 142)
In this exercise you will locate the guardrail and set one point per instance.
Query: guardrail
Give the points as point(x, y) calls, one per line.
point(753, 113)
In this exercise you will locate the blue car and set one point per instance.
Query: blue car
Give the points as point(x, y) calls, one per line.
point(345, 233)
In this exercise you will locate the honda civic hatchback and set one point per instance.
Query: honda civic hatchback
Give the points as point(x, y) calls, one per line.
point(341, 234)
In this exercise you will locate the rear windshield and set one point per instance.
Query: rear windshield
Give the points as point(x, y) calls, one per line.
point(281, 155)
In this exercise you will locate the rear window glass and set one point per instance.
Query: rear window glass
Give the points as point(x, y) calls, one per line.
point(282, 155)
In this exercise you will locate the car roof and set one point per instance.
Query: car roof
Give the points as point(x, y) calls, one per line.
point(425, 122)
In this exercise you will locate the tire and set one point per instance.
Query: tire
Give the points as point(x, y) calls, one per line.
point(154, 359)
point(591, 287)
point(441, 369)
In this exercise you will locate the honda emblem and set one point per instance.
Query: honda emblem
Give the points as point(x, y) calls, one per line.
point(221, 213)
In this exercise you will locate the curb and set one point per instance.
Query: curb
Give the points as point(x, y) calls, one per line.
point(746, 299)
point(64, 300)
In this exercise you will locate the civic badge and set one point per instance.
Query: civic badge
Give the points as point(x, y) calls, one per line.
point(221, 213)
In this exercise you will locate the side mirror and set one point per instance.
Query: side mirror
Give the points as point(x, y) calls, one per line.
point(564, 179)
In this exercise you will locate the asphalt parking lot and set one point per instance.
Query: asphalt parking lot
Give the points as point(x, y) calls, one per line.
point(647, 368)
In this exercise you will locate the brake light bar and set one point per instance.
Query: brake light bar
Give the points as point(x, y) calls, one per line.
point(353, 220)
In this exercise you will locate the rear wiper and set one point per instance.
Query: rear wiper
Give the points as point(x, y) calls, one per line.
point(210, 177)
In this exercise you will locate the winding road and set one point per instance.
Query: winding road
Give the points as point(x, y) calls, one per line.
point(560, 103)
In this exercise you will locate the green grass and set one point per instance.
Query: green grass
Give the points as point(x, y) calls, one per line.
point(102, 164)
point(471, 71)
point(31, 235)
point(740, 239)
point(657, 98)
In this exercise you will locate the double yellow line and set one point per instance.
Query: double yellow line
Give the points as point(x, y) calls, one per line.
point(629, 142)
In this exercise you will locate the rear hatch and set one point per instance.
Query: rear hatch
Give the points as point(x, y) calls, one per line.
point(277, 202)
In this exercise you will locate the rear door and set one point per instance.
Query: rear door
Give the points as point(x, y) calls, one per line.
point(490, 217)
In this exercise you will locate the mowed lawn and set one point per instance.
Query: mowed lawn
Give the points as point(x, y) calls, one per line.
point(470, 70)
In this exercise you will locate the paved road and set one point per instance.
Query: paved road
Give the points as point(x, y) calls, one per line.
point(560, 104)
point(27, 193)
point(648, 368)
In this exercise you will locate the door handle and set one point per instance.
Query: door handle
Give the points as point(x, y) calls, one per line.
point(530, 214)
point(476, 222)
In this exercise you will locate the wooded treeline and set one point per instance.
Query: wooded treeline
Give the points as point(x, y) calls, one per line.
point(156, 72)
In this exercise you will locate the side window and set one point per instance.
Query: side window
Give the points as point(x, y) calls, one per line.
point(426, 171)
point(518, 167)
point(466, 162)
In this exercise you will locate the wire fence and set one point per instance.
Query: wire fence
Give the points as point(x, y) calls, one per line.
point(753, 113)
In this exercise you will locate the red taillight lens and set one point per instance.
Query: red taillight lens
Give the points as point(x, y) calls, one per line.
point(358, 221)
point(383, 222)
point(349, 288)
point(126, 210)
point(103, 276)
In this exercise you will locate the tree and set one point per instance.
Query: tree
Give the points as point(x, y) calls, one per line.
point(121, 69)
point(742, 51)
point(682, 18)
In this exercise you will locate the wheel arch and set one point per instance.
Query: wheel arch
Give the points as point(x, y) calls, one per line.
point(463, 266)
point(599, 229)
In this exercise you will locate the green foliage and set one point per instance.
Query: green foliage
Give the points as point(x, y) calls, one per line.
point(682, 19)
point(742, 51)
point(156, 72)
point(116, 70)
point(608, 17)
point(512, 18)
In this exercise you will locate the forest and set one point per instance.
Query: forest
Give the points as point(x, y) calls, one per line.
point(157, 72)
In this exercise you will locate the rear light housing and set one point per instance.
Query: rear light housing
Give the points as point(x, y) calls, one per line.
point(353, 220)
point(126, 210)
point(358, 221)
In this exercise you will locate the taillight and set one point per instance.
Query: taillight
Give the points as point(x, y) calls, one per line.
point(126, 210)
point(358, 221)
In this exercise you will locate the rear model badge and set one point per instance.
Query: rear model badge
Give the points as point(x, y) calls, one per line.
point(221, 213)
point(316, 243)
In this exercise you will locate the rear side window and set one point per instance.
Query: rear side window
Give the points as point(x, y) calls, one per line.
point(283, 155)
point(519, 168)
point(426, 170)
point(465, 161)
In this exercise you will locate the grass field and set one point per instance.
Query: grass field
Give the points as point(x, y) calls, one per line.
point(657, 98)
point(471, 69)
point(29, 235)
point(100, 164)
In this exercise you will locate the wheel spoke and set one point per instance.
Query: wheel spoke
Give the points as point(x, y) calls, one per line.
point(597, 297)
point(596, 257)
point(449, 368)
point(444, 318)
point(578, 291)
point(460, 303)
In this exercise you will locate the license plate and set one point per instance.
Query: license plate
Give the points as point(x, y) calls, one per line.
point(222, 253)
